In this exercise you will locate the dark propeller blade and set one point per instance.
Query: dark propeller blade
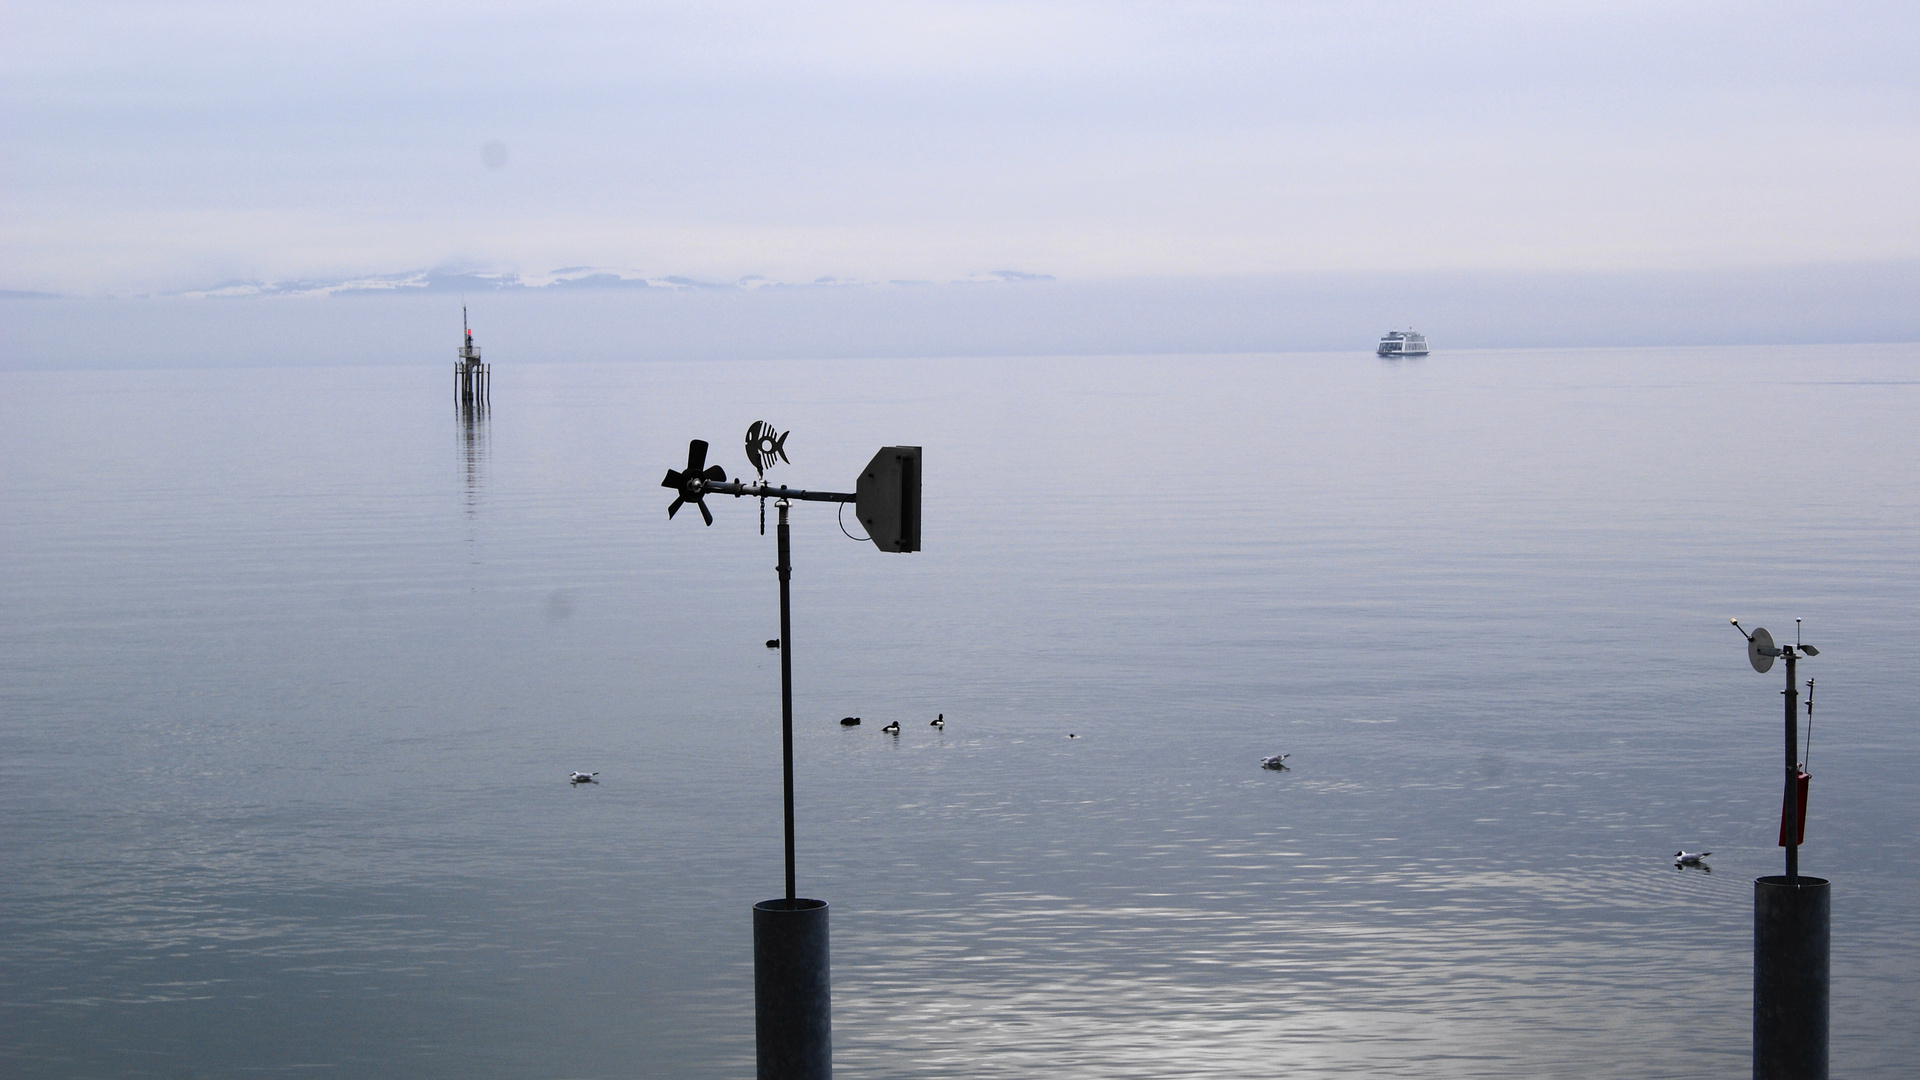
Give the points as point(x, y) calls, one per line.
point(688, 483)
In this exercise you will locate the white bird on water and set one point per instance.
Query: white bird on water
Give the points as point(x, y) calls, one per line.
point(1277, 761)
point(1684, 857)
point(583, 778)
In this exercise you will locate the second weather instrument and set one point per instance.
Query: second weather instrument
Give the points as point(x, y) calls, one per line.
point(1792, 932)
point(1761, 653)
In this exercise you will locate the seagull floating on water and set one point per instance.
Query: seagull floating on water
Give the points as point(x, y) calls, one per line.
point(1684, 857)
point(1277, 761)
point(938, 721)
point(893, 728)
point(583, 778)
point(849, 721)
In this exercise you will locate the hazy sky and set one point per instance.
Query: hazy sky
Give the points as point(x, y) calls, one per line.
point(165, 146)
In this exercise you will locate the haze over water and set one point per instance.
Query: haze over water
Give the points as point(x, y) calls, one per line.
point(294, 665)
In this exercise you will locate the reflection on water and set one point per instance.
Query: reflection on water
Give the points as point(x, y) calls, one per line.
point(282, 787)
point(475, 449)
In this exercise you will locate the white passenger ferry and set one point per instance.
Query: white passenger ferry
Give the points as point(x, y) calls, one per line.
point(1403, 343)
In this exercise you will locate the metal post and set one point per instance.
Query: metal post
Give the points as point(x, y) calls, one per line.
point(792, 984)
point(792, 991)
point(1791, 825)
point(1791, 932)
point(786, 690)
point(1791, 940)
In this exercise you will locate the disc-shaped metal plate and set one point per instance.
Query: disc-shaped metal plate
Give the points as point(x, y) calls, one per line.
point(1759, 640)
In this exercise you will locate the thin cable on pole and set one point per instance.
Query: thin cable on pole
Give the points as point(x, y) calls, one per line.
point(1806, 756)
point(840, 518)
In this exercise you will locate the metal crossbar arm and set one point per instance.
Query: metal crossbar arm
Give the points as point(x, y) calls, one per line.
point(764, 490)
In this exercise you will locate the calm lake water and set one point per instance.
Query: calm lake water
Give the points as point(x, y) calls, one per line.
point(294, 665)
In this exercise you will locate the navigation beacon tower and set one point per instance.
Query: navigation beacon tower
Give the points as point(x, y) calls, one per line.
point(472, 380)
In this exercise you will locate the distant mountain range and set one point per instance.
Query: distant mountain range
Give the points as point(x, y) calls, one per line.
point(568, 277)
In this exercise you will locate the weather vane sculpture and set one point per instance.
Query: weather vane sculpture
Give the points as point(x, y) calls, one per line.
point(763, 447)
point(792, 1000)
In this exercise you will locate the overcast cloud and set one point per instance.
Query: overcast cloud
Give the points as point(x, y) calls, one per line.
point(160, 147)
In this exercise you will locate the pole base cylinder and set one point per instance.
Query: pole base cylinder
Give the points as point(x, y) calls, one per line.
point(792, 991)
point(1791, 933)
